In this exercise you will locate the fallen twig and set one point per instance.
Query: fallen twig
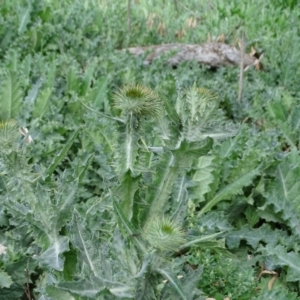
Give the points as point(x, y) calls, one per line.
point(129, 16)
point(241, 79)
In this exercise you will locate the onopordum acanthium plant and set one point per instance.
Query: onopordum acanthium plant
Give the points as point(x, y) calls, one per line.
point(151, 199)
point(155, 160)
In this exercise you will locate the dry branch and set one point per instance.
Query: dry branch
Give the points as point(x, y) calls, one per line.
point(241, 79)
point(213, 54)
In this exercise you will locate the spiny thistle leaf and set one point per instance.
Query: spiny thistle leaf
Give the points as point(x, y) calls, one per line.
point(85, 288)
point(129, 228)
point(174, 282)
point(126, 191)
point(166, 175)
point(180, 196)
point(62, 154)
point(283, 257)
point(10, 97)
point(170, 167)
point(41, 104)
point(52, 257)
point(284, 192)
point(9, 135)
point(202, 178)
point(233, 188)
point(5, 280)
point(278, 293)
point(201, 117)
point(163, 234)
point(264, 234)
point(126, 156)
point(138, 100)
point(81, 238)
point(196, 104)
point(201, 101)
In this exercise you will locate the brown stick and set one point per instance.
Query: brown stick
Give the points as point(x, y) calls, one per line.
point(185, 7)
point(176, 6)
point(27, 289)
point(211, 4)
point(241, 80)
point(129, 16)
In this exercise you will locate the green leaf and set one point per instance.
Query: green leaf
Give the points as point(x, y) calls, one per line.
point(10, 97)
point(65, 199)
point(128, 150)
point(41, 103)
point(174, 283)
point(33, 93)
point(70, 265)
point(294, 120)
point(170, 167)
point(201, 241)
point(131, 231)
point(253, 236)
point(87, 79)
point(95, 262)
point(24, 18)
point(56, 293)
point(84, 288)
point(230, 190)
point(202, 178)
point(201, 117)
point(9, 135)
point(251, 215)
point(277, 111)
point(188, 153)
point(93, 287)
point(62, 154)
point(51, 75)
point(126, 191)
point(52, 257)
point(12, 293)
point(214, 221)
point(92, 254)
point(283, 193)
point(98, 94)
point(190, 282)
point(162, 188)
point(285, 258)
point(289, 135)
point(180, 198)
point(72, 80)
point(82, 169)
point(82, 239)
point(278, 293)
point(5, 280)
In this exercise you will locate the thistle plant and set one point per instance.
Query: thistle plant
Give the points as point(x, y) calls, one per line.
point(147, 200)
point(150, 207)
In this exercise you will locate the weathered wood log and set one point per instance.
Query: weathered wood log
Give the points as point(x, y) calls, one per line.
point(213, 54)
